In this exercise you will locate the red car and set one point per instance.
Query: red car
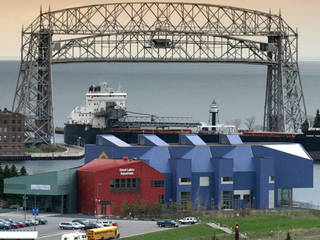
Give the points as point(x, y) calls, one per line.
point(21, 224)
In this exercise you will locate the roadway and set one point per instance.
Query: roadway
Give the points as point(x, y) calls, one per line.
point(50, 231)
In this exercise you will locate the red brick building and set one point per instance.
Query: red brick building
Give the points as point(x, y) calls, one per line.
point(106, 183)
point(11, 133)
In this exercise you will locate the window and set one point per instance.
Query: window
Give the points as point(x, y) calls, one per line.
point(227, 180)
point(13, 129)
point(185, 196)
point(128, 183)
point(271, 179)
point(157, 184)
point(204, 181)
point(184, 181)
point(118, 185)
point(13, 121)
point(123, 183)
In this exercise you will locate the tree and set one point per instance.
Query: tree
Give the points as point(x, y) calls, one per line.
point(236, 123)
point(305, 126)
point(6, 172)
point(125, 208)
point(23, 171)
point(13, 171)
point(250, 123)
point(115, 208)
point(316, 123)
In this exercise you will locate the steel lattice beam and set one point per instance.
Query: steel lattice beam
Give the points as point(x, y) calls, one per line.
point(158, 32)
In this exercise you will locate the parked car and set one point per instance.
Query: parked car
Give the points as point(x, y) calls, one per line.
point(41, 220)
point(21, 224)
point(71, 225)
point(27, 222)
point(7, 223)
point(33, 222)
point(106, 223)
point(188, 220)
point(99, 225)
point(167, 223)
point(87, 223)
point(13, 223)
point(4, 226)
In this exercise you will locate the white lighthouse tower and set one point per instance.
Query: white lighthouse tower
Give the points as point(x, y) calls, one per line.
point(213, 114)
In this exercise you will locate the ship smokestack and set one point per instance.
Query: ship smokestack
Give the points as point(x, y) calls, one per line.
point(213, 113)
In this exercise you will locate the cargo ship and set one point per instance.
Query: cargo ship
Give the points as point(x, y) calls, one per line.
point(105, 112)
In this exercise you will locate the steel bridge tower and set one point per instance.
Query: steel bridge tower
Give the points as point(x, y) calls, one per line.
point(158, 32)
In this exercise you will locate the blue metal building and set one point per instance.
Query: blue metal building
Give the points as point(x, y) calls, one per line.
point(227, 175)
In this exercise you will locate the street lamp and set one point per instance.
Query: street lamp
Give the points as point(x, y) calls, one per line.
point(97, 199)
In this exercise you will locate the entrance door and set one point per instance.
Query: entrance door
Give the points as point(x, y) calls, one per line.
point(227, 199)
point(105, 207)
point(271, 198)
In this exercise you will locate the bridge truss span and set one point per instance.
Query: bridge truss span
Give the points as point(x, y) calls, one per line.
point(158, 32)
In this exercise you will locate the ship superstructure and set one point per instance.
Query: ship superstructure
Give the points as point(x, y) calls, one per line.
point(103, 106)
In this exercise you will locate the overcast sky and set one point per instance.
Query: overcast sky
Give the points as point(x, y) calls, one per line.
point(301, 14)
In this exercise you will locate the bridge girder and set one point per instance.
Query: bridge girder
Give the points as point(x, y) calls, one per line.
point(158, 32)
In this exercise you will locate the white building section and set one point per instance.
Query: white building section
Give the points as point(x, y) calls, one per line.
point(294, 149)
point(98, 99)
point(18, 234)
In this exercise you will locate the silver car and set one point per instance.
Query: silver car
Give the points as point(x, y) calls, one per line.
point(71, 225)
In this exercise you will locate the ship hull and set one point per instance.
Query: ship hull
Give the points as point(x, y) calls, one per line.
point(80, 134)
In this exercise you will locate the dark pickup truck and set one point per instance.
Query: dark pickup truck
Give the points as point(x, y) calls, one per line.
point(167, 223)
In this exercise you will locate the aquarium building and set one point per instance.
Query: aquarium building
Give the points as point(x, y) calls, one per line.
point(228, 175)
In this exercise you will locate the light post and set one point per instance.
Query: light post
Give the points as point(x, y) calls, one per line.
point(97, 199)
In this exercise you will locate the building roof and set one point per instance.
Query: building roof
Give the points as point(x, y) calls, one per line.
point(151, 140)
point(111, 140)
point(294, 149)
point(101, 164)
point(6, 111)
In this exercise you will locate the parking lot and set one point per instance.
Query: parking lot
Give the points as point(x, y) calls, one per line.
point(50, 231)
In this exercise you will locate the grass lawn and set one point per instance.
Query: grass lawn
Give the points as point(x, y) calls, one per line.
point(39, 150)
point(198, 231)
point(259, 223)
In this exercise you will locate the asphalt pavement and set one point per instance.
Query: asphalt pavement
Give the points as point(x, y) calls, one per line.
point(51, 231)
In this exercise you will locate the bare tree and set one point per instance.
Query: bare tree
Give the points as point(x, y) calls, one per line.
point(236, 123)
point(310, 120)
point(249, 122)
point(258, 127)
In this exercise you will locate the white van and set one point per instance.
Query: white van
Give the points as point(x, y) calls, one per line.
point(74, 236)
point(104, 223)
